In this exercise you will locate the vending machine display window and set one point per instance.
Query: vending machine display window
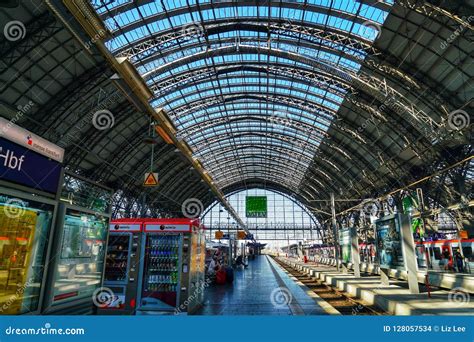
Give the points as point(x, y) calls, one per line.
point(80, 258)
point(161, 269)
point(117, 259)
point(25, 226)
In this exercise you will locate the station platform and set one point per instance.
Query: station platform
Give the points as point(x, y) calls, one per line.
point(440, 279)
point(395, 299)
point(263, 288)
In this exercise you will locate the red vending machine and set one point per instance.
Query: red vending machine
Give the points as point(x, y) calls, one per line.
point(172, 266)
point(122, 261)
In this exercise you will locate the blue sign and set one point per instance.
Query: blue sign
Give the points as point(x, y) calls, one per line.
point(26, 167)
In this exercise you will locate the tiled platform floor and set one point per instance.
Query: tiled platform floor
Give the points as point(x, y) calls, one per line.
point(251, 293)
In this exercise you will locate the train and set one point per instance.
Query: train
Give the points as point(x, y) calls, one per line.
point(433, 255)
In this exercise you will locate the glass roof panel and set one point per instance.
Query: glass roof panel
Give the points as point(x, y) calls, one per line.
point(251, 92)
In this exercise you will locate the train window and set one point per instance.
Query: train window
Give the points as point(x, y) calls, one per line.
point(467, 252)
point(437, 253)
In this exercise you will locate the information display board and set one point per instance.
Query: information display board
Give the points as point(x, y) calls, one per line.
point(256, 206)
point(389, 243)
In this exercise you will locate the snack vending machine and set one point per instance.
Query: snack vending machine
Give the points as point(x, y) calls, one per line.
point(172, 266)
point(121, 268)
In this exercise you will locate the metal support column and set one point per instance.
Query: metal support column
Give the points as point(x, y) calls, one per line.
point(355, 256)
point(334, 230)
point(409, 255)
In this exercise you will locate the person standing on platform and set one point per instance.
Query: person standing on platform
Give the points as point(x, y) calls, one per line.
point(459, 262)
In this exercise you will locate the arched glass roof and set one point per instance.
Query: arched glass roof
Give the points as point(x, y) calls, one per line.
point(286, 219)
point(225, 73)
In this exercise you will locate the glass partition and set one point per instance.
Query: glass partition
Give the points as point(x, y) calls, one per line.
point(25, 226)
point(80, 258)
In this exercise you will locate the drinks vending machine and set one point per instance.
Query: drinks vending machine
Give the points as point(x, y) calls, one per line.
point(165, 266)
point(121, 268)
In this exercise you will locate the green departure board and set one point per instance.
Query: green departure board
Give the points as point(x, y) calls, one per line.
point(256, 206)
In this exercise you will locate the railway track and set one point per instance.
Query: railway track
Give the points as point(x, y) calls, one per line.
point(337, 299)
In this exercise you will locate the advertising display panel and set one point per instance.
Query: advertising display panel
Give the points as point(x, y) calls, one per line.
point(389, 243)
point(345, 243)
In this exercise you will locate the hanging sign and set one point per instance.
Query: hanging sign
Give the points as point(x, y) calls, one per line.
point(151, 179)
point(26, 167)
point(27, 139)
point(241, 235)
point(219, 235)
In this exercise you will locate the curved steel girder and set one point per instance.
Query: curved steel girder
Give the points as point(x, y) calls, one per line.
point(148, 57)
point(227, 171)
point(284, 99)
point(243, 161)
point(309, 32)
point(306, 76)
point(93, 136)
point(376, 88)
point(202, 83)
point(278, 70)
point(272, 174)
point(298, 140)
point(203, 104)
point(37, 31)
point(166, 41)
point(217, 151)
point(288, 100)
point(333, 69)
point(375, 113)
point(326, 108)
point(309, 76)
point(167, 15)
point(326, 171)
point(273, 120)
point(69, 96)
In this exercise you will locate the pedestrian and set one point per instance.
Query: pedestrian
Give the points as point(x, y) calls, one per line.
point(459, 262)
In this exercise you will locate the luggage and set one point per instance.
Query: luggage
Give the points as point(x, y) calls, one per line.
point(229, 274)
point(221, 277)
